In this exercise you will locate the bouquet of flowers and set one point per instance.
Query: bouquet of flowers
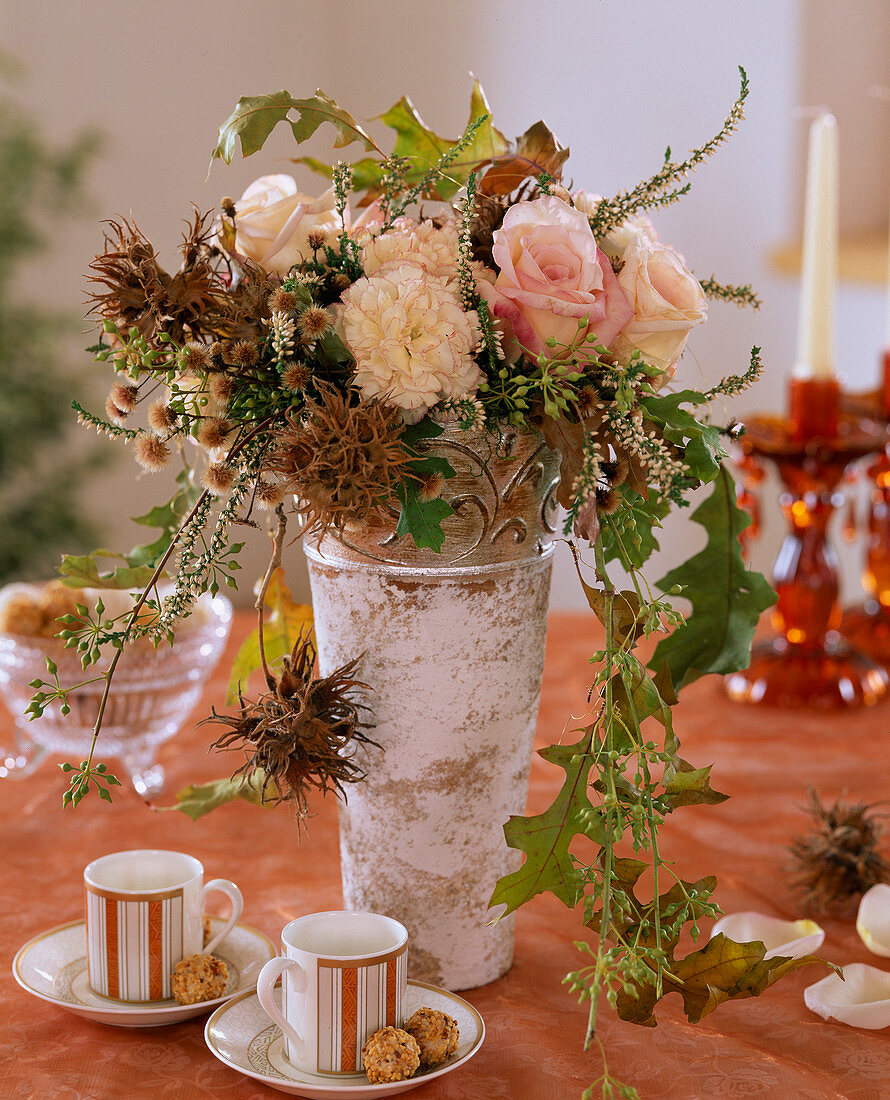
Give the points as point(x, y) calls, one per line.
point(299, 363)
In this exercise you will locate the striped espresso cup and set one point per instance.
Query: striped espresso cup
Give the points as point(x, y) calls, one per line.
point(344, 977)
point(145, 913)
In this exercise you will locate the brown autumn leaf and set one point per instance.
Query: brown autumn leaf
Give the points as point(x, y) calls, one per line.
point(722, 970)
point(537, 151)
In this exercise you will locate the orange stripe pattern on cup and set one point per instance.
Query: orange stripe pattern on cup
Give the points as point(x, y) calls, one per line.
point(358, 997)
point(134, 943)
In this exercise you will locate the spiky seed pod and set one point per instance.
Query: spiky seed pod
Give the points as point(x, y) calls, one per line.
point(115, 415)
point(314, 323)
point(302, 733)
point(282, 301)
point(840, 858)
point(316, 240)
point(124, 396)
point(269, 494)
point(343, 458)
point(213, 431)
point(140, 293)
point(227, 205)
point(431, 486)
point(340, 280)
point(244, 354)
point(296, 376)
point(215, 351)
point(161, 417)
point(151, 453)
point(218, 478)
point(221, 387)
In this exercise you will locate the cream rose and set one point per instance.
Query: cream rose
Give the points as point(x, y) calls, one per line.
point(273, 222)
point(668, 302)
point(553, 276)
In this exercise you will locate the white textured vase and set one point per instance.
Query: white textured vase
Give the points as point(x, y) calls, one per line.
point(452, 647)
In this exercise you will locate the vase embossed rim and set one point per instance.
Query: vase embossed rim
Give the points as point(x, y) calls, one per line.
point(452, 645)
point(153, 693)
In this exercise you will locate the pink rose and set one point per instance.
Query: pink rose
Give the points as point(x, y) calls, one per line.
point(273, 222)
point(668, 301)
point(553, 276)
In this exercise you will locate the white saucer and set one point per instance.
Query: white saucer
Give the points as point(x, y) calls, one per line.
point(242, 1036)
point(53, 967)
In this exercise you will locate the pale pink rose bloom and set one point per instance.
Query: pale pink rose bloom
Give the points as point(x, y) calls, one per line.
point(273, 221)
point(668, 303)
point(553, 276)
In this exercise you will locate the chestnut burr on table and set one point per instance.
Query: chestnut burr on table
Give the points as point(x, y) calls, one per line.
point(771, 1046)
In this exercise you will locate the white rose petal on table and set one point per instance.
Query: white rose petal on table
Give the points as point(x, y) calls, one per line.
point(788, 938)
point(861, 998)
point(873, 919)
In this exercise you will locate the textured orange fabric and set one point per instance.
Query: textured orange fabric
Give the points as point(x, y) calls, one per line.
point(770, 1047)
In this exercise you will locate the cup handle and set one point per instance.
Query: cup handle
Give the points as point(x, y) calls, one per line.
point(234, 895)
point(265, 985)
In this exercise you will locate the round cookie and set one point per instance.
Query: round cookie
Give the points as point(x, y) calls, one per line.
point(390, 1054)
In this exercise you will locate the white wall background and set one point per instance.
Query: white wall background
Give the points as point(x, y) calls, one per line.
point(617, 80)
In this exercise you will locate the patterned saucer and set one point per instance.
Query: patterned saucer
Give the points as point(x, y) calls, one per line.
point(53, 967)
point(242, 1036)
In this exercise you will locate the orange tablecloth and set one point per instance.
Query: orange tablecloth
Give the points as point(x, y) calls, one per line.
point(768, 1047)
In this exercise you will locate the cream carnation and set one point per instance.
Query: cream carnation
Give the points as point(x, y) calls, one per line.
point(423, 243)
point(413, 343)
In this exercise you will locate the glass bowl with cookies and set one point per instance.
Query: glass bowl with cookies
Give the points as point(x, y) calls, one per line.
point(155, 686)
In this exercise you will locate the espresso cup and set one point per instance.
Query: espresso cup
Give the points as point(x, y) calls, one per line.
point(344, 976)
point(144, 914)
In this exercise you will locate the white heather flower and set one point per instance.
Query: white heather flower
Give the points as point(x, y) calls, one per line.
point(413, 344)
point(283, 329)
point(423, 243)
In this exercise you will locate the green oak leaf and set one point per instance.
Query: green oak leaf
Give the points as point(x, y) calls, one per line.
point(422, 148)
point(701, 443)
point(168, 517)
point(727, 598)
point(545, 838)
point(199, 799)
point(422, 519)
point(255, 117)
point(82, 571)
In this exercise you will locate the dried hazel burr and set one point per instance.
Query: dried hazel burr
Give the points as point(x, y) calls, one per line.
point(390, 1054)
point(436, 1033)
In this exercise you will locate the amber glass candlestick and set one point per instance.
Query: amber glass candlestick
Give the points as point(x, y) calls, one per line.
point(867, 627)
point(808, 664)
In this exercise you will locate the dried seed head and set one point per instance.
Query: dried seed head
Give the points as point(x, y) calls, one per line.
point(221, 387)
point(124, 396)
point(587, 400)
point(115, 415)
point(431, 486)
point(244, 354)
point(296, 376)
point(314, 323)
point(269, 494)
point(195, 358)
point(316, 240)
point(218, 478)
point(151, 453)
point(341, 280)
point(213, 431)
point(161, 417)
point(282, 301)
point(227, 205)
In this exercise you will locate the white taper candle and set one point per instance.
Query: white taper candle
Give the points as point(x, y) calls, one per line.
point(815, 335)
